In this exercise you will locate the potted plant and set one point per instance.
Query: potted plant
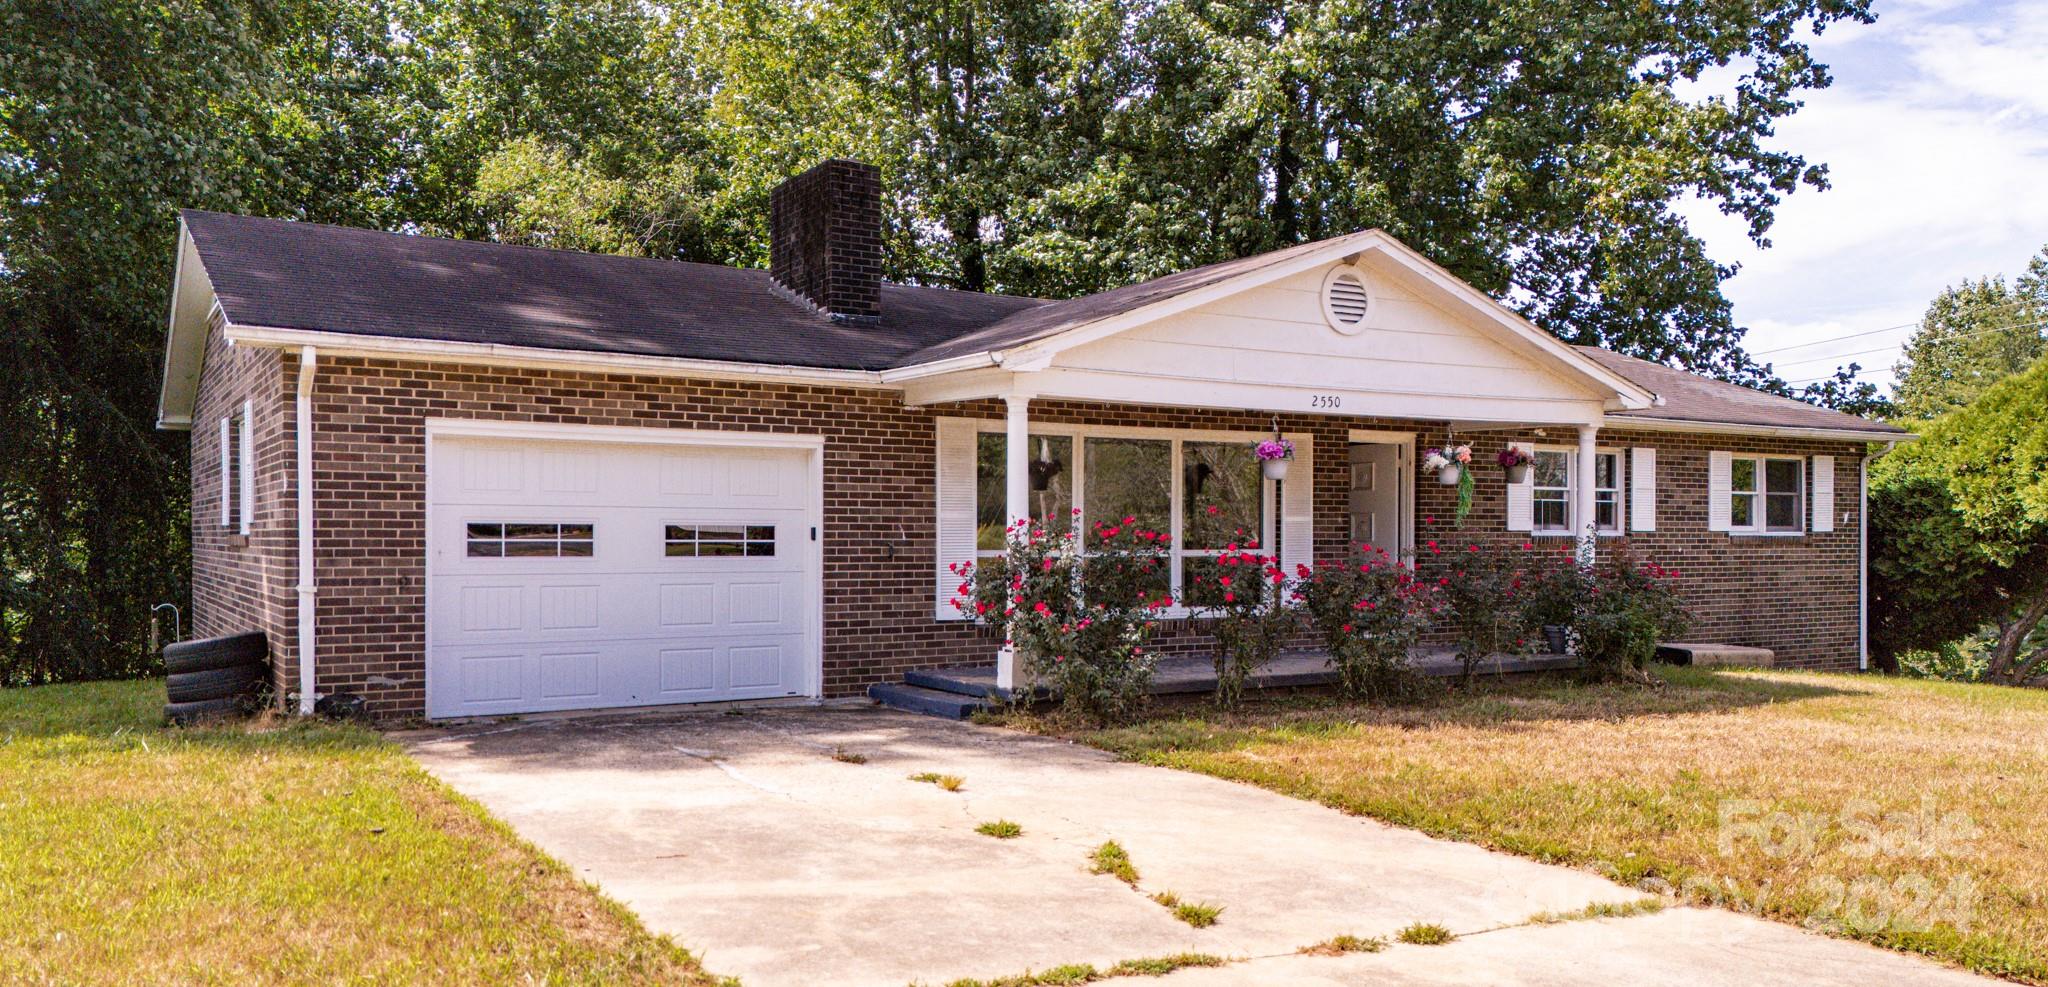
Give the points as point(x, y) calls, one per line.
point(1274, 454)
point(1553, 602)
point(1452, 467)
point(1514, 461)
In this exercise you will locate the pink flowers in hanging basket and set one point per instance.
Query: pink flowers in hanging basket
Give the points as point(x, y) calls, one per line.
point(1272, 449)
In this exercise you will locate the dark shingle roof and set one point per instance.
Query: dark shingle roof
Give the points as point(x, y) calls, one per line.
point(289, 275)
point(1689, 397)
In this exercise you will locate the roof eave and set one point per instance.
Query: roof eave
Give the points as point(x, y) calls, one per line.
point(191, 307)
point(499, 354)
point(1750, 428)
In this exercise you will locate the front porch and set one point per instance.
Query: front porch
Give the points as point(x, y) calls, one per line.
point(959, 692)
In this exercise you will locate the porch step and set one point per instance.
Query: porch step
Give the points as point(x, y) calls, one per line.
point(1678, 653)
point(930, 702)
point(975, 682)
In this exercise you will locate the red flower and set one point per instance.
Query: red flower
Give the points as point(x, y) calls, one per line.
point(1041, 608)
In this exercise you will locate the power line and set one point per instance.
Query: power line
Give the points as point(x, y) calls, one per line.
point(2003, 306)
point(1902, 344)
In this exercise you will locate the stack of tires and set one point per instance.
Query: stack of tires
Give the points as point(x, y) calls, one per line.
point(216, 676)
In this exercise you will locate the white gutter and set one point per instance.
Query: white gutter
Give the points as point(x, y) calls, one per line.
point(498, 354)
point(1625, 421)
point(308, 365)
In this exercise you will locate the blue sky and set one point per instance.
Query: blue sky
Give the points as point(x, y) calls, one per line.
point(1935, 134)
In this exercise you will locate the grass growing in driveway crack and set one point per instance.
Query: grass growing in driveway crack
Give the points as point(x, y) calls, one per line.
point(1110, 858)
point(1601, 909)
point(1339, 945)
point(1083, 973)
point(1198, 915)
point(1001, 829)
point(845, 756)
point(1425, 934)
point(951, 783)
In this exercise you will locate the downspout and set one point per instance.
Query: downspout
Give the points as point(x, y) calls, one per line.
point(1863, 556)
point(308, 364)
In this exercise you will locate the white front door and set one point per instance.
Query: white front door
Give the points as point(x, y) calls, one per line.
point(1376, 479)
point(575, 574)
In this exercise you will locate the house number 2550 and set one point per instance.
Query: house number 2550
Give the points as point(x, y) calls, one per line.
point(1325, 401)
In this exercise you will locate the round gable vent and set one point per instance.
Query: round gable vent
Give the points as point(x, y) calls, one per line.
point(1345, 300)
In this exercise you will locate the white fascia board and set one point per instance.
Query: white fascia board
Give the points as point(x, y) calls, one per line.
point(191, 305)
point(1738, 428)
point(501, 355)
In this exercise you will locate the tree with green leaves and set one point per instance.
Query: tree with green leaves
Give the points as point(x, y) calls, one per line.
point(1959, 530)
point(1974, 335)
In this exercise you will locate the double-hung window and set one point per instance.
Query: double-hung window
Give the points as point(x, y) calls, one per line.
point(1204, 494)
point(1766, 495)
point(1554, 476)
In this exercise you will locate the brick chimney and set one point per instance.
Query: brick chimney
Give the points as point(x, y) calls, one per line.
point(825, 232)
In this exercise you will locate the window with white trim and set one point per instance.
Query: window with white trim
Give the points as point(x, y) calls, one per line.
point(1766, 495)
point(1204, 494)
point(1554, 479)
point(228, 473)
point(530, 540)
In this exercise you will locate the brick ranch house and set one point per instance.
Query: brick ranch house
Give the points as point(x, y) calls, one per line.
point(473, 479)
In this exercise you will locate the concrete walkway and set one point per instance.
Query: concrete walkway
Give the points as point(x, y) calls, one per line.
point(789, 847)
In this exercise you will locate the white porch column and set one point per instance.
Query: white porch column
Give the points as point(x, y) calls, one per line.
point(1582, 494)
point(1017, 498)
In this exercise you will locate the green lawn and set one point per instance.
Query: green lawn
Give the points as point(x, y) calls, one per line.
point(1909, 814)
point(134, 853)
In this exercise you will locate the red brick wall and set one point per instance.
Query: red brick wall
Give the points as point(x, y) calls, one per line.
point(244, 584)
point(1796, 595)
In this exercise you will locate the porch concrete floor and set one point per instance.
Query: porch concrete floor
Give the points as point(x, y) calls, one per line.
point(742, 836)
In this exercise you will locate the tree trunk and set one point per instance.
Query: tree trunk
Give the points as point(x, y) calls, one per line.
point(2007, 663)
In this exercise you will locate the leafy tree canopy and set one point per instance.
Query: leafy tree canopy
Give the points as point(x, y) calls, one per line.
point(1974, 335)
point(1959, 533)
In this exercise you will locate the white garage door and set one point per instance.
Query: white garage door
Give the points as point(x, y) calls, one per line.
point(579, 574)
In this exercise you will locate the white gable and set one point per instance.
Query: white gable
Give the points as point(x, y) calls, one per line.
point(1410, 356)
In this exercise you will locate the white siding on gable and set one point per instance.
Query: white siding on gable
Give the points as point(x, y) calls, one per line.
point(1276, 335)
point(1823, 493)
point(956, 439)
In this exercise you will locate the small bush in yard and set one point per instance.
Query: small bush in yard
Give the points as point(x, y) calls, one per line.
point(1246, 595)
point(1628, 608)
point(1484, 591)
point(1370, 615)
point(1555, 591)
point(1079, 621)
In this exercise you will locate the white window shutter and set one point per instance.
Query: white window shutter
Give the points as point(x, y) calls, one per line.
point(1718, 483)
point(1521, 507)
point(227, 472)
point(1297, 508)
point(956, 518)
point(1642, 488)
point(248, 458)
point(1823, 493)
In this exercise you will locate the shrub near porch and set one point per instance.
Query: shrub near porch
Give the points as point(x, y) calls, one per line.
point(1636, 782)
point(130, 854)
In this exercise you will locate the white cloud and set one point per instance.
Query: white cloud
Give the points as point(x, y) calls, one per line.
point(1936, 139)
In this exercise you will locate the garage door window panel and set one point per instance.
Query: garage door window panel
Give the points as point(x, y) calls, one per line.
point(530, 540)
point(688, 541)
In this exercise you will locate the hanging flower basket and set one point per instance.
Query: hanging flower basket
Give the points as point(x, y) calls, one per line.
point(1514, 461)
point(1453, 468)
point(1274, 455)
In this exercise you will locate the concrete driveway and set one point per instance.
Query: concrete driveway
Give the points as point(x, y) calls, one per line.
point(789, 847)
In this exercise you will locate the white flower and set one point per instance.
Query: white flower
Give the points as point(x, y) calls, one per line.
point(1436, 461)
